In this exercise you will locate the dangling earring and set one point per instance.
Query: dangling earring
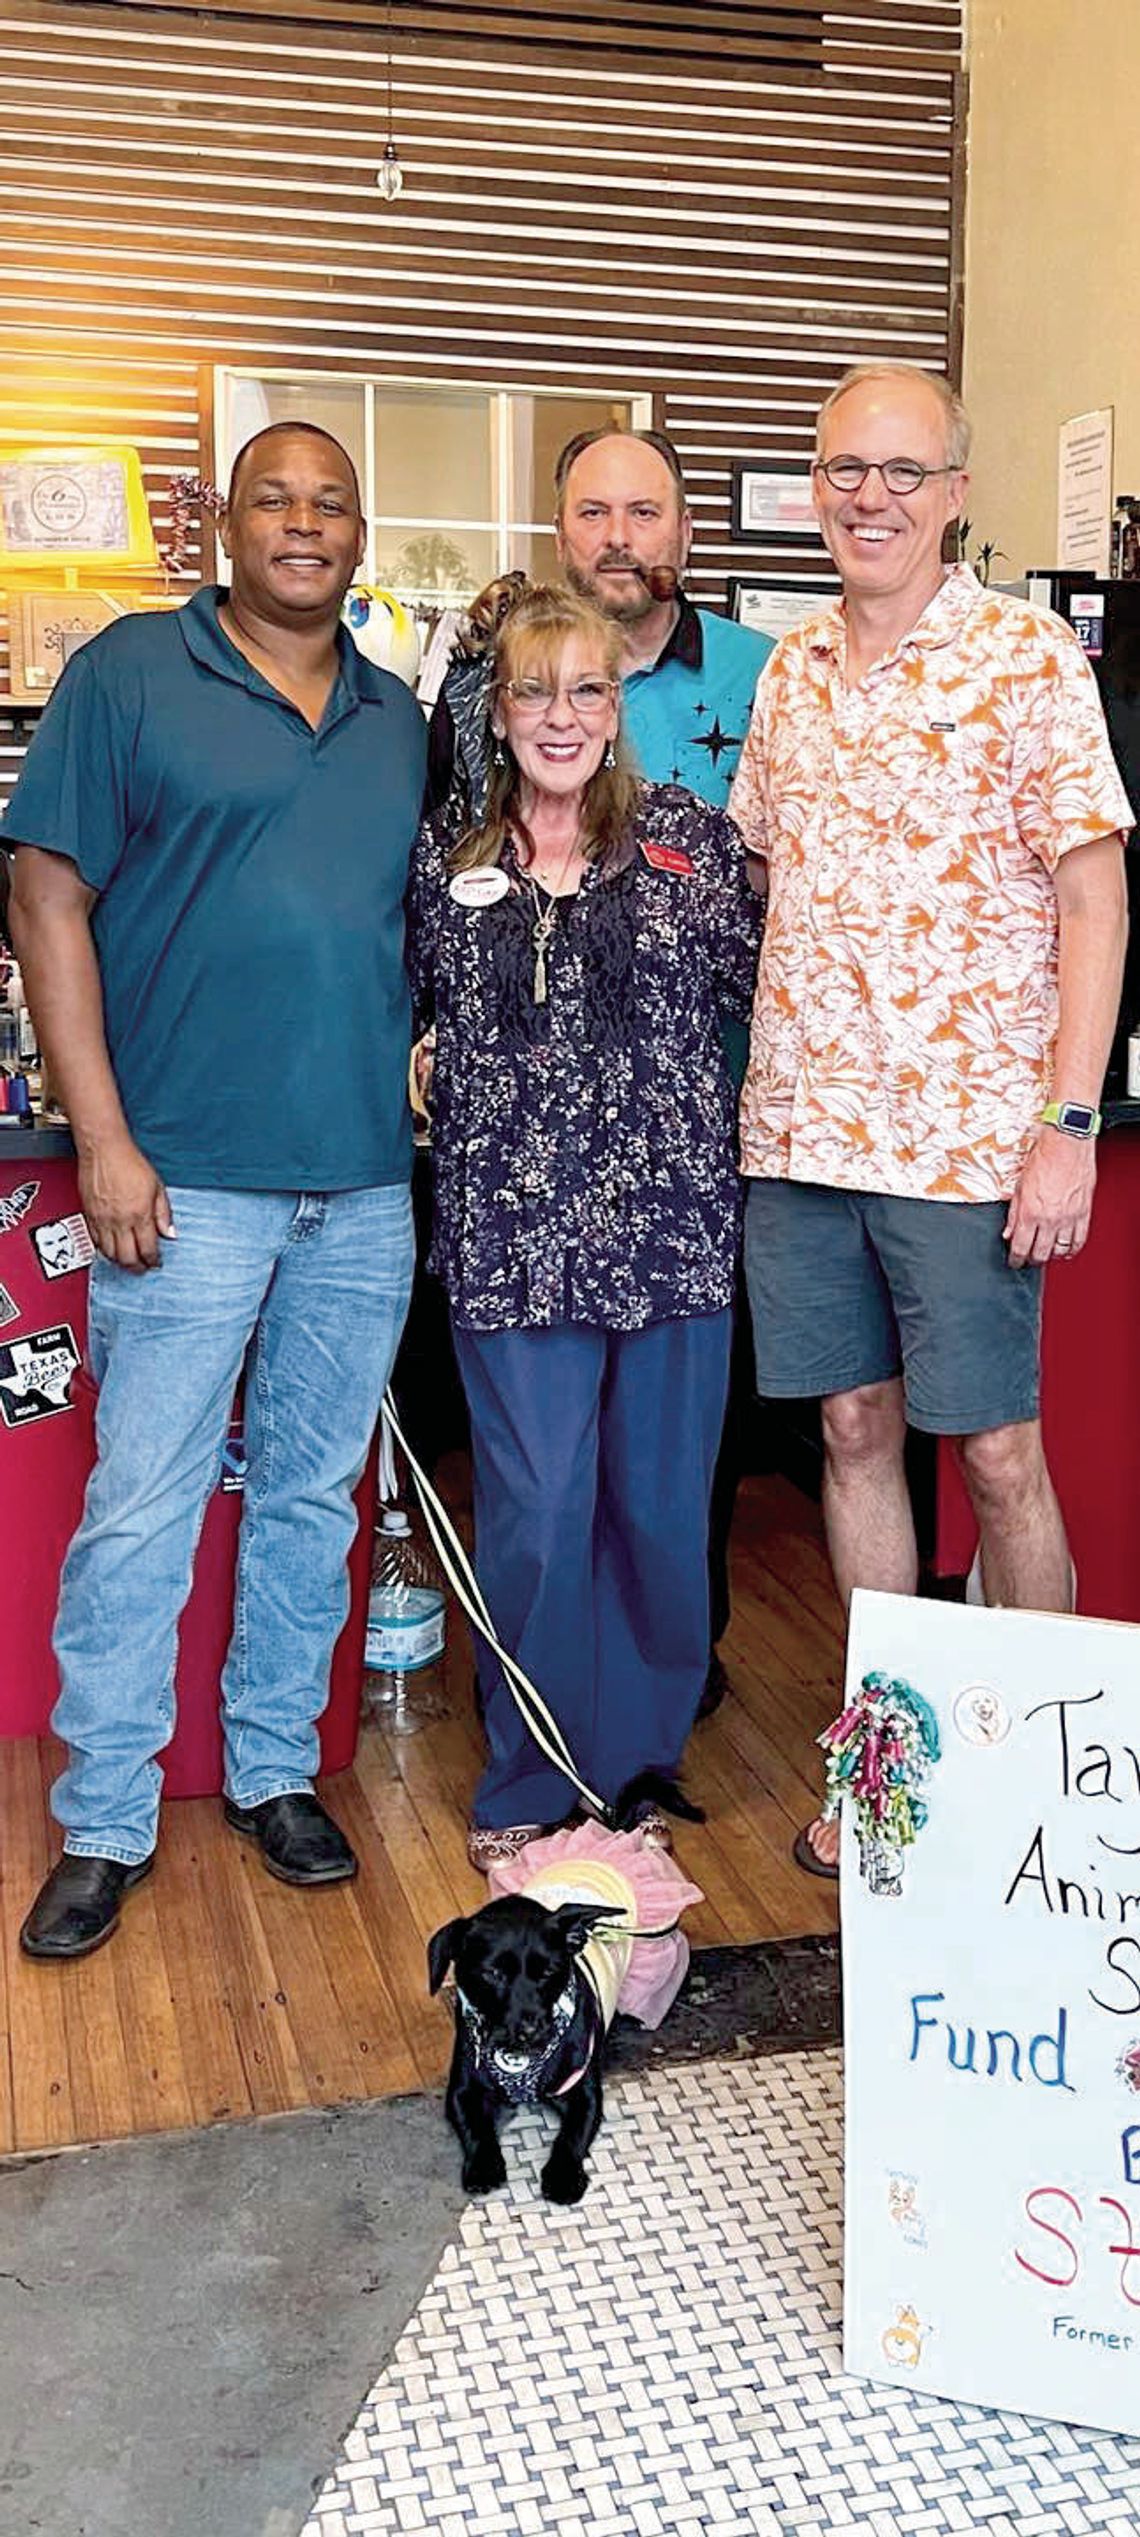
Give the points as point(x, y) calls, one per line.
point(498, 754)
point(610, 758)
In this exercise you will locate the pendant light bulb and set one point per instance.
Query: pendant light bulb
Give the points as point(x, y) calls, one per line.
point(390, 174)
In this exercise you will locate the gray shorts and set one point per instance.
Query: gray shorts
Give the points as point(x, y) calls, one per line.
point(847, 1290)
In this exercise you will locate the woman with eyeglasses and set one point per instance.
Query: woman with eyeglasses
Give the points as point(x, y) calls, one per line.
point(577, 950)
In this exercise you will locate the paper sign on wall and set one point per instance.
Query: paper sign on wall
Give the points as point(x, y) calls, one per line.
point(1084, 492)
point(992, 2017)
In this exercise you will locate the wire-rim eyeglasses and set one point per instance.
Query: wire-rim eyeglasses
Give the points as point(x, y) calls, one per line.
point(586, 696)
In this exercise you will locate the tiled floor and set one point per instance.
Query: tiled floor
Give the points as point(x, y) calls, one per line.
point(667, 2358)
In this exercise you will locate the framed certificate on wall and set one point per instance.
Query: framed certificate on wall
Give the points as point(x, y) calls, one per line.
point(774, 607)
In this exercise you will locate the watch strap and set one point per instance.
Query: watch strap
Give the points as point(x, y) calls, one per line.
point(1057, 1114)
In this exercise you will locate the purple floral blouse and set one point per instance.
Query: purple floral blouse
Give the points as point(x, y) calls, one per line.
point(584, 1147)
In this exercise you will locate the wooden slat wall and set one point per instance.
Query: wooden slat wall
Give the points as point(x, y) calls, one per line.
point(678, 212)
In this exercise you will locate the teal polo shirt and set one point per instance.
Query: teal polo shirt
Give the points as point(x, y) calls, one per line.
point(249, 923)
point(687, 714)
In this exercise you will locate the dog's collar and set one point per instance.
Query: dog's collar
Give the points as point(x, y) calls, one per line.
point(523, 2077)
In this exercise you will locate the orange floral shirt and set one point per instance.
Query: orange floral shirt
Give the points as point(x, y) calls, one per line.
point(906, 1003)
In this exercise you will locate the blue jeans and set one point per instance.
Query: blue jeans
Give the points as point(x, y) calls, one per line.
point(315, 1287)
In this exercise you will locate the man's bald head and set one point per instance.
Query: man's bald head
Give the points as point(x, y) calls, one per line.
point(254, 451)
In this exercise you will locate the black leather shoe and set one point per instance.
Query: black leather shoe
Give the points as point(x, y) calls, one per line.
point(297, 1840)
point(717, 1685)
point(78, 1906)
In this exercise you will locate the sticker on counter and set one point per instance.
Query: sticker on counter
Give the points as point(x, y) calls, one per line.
point(234, 1464)
point(18, 1203)
point(1086, 616)
point(9, 1309)
point(63, 1245)
point(35, 1375)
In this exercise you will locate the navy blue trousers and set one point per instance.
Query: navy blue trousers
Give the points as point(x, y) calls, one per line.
point(593, 1455)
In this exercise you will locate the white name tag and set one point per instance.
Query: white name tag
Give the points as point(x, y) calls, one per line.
point(481, 887)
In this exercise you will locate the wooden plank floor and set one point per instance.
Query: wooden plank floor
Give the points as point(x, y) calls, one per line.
point(226, 1994)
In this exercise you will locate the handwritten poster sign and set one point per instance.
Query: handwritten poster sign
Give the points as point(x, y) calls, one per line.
point(992, 2013)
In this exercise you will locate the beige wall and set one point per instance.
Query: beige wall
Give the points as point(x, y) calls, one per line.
point(1052, 252)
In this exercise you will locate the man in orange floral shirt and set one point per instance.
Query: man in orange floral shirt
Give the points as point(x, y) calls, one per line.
point(929, 783)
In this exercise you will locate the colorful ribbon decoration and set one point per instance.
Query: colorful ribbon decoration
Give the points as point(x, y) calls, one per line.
point(187, 494)
point(880, 1753)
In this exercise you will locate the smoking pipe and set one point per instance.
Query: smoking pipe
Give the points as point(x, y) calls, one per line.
point(660, 580)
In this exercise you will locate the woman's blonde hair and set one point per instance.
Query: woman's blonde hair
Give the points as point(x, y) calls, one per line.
point(530, 643)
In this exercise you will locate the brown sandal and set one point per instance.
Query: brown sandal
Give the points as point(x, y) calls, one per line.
point(808, 1858)
point(487, 1845)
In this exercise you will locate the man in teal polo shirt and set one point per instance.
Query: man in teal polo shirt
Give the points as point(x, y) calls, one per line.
point(212, 833)
point(688, 681)
point(689, 676)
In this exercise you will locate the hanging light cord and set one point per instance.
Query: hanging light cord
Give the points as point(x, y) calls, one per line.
point(391, 134)
point(390, 174)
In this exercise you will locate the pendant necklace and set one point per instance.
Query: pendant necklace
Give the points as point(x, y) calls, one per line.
point(545, 920)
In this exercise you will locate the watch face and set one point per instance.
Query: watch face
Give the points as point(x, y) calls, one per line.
point(1078, 1117)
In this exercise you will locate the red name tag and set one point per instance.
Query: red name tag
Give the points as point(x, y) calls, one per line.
point(668, 859)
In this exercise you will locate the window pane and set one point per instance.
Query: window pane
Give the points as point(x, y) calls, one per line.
point(337, 406)
point(433, 454)
point(437, 567)
point(532, 551)
point(540, 428)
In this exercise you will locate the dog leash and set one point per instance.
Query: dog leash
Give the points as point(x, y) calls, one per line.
point(457, 1568)
point(619, 1931)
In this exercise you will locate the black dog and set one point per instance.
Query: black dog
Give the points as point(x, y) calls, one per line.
point(528, 2025)
point(528, 2029)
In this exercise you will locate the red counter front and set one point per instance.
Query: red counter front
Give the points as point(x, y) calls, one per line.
point(1090, 1400)
point(44, 1462)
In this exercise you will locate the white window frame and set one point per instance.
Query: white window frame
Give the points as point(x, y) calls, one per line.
point(503, 527)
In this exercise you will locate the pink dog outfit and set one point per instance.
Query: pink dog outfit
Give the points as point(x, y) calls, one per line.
point(636, 1963)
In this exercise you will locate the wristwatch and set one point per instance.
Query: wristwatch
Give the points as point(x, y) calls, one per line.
point(1074, 1118)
